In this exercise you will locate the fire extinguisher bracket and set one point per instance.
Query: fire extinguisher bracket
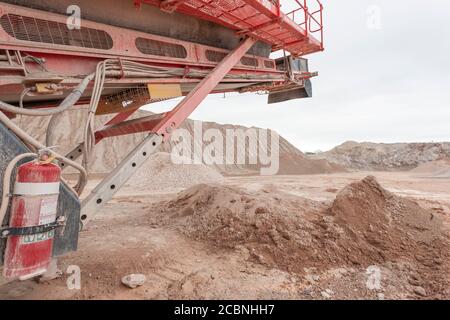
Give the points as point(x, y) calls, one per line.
point(26, 231)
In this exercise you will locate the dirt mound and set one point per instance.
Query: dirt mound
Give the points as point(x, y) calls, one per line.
point(437, 169)
point(274, 228)
point(385, 227)
point(159, 172)
point(365, 225)
point(382, 225)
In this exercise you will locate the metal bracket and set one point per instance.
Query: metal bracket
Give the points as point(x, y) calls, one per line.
point(27, 231)
point(118, 177)
point(74, 154)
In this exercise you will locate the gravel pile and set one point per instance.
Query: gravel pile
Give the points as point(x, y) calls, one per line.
point(160, 173)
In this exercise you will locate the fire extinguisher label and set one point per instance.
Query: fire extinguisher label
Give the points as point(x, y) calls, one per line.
point(48, 210)
point(33, 238)
point(47, 214)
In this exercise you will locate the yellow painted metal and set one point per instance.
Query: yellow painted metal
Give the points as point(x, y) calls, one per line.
point(164, 91)
point(46, 88)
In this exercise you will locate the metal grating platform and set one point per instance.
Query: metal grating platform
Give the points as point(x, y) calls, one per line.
point(160, 48)
point(299, 31)
point(45, 31)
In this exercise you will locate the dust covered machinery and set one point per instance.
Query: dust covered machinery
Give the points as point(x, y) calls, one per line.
point(117, 57)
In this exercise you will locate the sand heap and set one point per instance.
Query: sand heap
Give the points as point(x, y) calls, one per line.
point(110, 152)
point(160, 173)
point(384, 156)
point(435, 169)
point(365, 225)
point(383, 226)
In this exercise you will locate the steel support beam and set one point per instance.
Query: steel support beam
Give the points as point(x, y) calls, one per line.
point(118, 177)
point(183, 110)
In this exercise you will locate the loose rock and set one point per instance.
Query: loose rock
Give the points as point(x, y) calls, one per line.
point(134, 280)
point(420, 291)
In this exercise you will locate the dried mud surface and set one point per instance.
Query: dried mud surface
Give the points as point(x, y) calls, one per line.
point(365, 225)
point(281, 237)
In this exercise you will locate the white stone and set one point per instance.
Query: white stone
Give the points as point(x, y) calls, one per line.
point(420, 291)
point(134, 280)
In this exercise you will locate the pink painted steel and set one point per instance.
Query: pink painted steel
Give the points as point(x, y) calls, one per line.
point(182, 111)
point(258, 19)
point(145, 124)
point(261, 19)
point(165, 123)
point(71, 61)
point(124, 46)
point(120, 117)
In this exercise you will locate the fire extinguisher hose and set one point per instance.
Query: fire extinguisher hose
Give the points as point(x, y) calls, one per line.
point(7, 182)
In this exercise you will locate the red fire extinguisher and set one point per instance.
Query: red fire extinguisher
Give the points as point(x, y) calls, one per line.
point(32, 222)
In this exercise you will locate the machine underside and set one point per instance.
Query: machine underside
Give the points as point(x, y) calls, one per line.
point(135, 53)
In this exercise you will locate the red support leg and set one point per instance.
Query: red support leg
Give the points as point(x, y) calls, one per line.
point(118, 118)
point(76, 152)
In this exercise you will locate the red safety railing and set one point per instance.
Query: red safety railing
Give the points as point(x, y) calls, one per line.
point(311, 22)
point(300, 31)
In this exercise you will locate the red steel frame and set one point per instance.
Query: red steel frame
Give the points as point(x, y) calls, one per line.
point(164, 124)
point(260, 19)
point(252, 19)
point(61, 58)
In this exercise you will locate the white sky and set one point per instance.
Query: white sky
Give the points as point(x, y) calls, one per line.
point(384, 85)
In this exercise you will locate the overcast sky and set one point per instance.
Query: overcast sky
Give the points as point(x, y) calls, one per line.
point(386, 84)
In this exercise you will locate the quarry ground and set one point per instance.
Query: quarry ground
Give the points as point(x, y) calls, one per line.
point(124, 239)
